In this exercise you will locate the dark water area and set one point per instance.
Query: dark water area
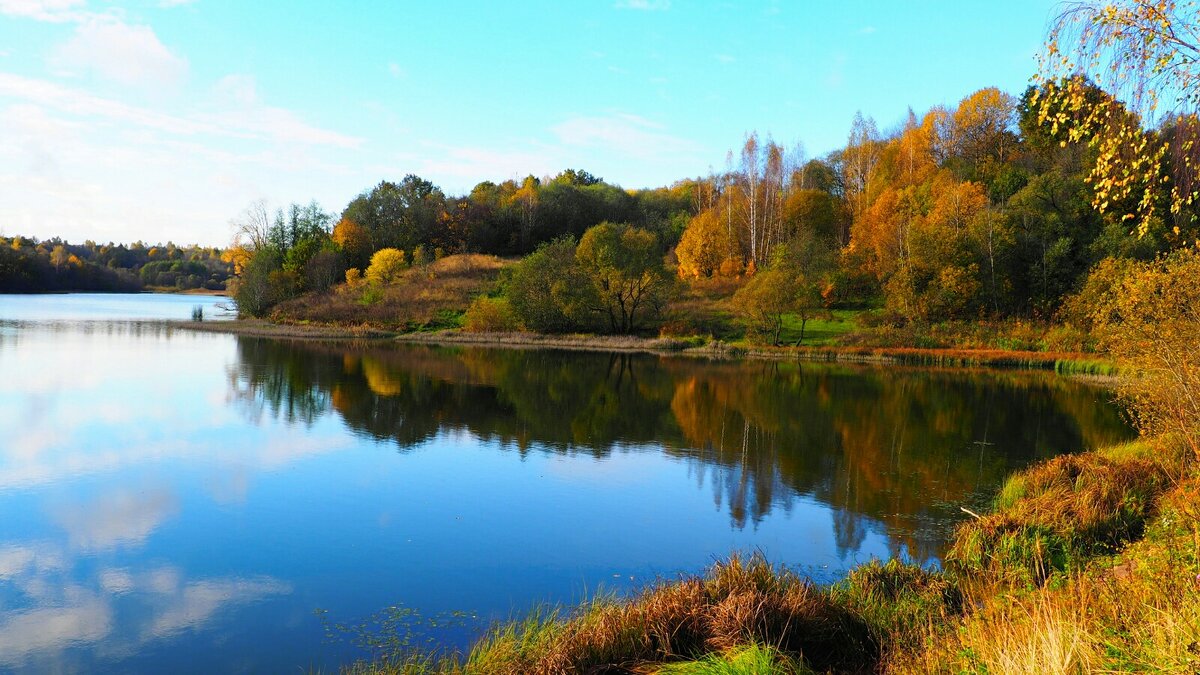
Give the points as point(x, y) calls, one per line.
point(182, 502)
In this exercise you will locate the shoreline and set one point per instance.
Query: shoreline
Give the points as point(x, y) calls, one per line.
point(266, 329)
point(1070, 364)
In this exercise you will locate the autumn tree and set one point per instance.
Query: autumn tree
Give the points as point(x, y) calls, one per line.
point(704, 245)
point(859, 161)
point(387, 266)
point(983, 125)
point(764, 302)
point(355, 242)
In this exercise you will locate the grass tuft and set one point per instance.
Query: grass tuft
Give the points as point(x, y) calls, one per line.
point(1053, 516)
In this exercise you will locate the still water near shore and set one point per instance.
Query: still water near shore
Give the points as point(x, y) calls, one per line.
point(188, 502)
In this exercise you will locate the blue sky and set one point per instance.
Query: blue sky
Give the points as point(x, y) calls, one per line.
point(162, 119)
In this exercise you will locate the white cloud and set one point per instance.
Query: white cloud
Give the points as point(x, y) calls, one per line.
point(17, 560)
point(243, 116)
point(116, 581)
point(69, 616)
point(23, 634)
point(397, 71)
point(627, 134)
point(239, 89)
point(725, 58)
point(199, 601)
point(245, 111)
point(43, 10)
point(644, 5)
point(120, 518)
point(130, 55)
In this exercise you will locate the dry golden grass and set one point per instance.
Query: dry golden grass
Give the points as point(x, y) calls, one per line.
point(1136, 612)
point(703, 307)
point(737, 603)
point(431, 296)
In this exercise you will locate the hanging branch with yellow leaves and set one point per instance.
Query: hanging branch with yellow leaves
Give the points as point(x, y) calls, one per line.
point(1146, 55)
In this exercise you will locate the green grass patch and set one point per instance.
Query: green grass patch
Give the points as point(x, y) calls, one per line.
point(1085, 367)
point(751, 659)
point(819, 331)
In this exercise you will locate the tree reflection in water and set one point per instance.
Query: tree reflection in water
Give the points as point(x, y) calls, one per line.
point(902, 448)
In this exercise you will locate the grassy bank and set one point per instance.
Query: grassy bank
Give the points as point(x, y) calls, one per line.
point(1061, 362)
point(300, 331)
point(1088, 563)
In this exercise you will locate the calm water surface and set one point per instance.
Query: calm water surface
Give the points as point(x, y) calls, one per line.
point(182, 502)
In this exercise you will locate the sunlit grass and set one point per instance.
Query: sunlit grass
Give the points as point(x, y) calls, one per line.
point(819, 331)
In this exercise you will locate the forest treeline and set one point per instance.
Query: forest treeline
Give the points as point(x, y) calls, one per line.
point(32, 266)
point(979, 210)
point(984, 209)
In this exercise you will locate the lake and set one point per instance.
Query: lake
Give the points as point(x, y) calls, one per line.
point(176, 501)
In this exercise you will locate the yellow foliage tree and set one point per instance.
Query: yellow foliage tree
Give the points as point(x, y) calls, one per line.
point(237, 255)
point(702, 247)
point(387, 265)
point(981, 124)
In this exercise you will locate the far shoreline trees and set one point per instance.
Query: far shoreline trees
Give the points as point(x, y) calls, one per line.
point(32, 266)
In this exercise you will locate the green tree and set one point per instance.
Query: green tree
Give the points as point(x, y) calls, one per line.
point(546, 290)
point(763, 303)
point(626, 271)
point(257, 287)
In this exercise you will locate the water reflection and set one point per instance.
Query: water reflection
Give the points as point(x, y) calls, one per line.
point(898, 447)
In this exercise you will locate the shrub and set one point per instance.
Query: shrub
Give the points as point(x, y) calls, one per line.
point(420, 257)
point(1154, 328)
point(489, 315)
point(898, 601)
point(387, 265)
point(371, 294)
point(543, 286)
point(737, 603)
